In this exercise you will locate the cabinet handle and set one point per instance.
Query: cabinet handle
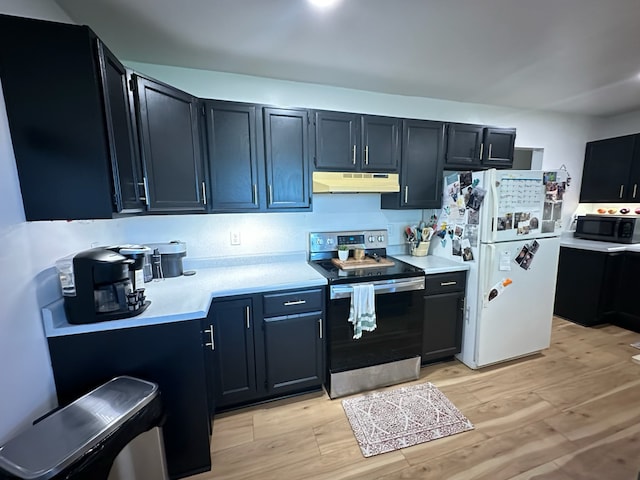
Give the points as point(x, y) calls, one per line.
point(481, 150)
point(490, 157)
point(446, 284)
point(246, 317)
point(254, 199)
point(146, 191)
point(366, 155)
point(211, 344)
point(406, 194)
point(635, 188)
point(320, 327)
point(295, 302)
point(204, 193)
point(270, 199)
point(353, 156)
point(621, 190)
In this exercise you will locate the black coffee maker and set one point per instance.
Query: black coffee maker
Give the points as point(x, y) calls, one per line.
point(99, 288)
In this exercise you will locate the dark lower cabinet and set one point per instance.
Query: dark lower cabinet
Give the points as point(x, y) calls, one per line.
point(233, 325)
point(586, 286)
point(443, 316)
point(627, 305)
point(294, 352)
point(420, 167)
point(261, 347)
point(168, 354)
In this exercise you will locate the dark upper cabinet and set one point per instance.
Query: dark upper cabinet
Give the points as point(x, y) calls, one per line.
point(169, 129)
point(463, 145)
point(611, 171)
point(352, 142)
point(498, 146)
point(477, 147)
point(121, 132)
point(234, 173)
point(258, 157)
point(69, 121)
point(286, 155)
point(420, 167)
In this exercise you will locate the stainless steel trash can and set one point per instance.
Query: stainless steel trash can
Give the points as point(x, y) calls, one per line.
point(113, 432)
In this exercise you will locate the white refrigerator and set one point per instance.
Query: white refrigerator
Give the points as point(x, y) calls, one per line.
point(505, 226)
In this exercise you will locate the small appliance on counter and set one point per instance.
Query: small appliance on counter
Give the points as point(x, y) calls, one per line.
point(609, 228)
point(140, 270)
point(96, 287)
point(171, 255)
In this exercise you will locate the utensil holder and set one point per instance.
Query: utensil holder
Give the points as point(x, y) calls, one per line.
point(421, 250)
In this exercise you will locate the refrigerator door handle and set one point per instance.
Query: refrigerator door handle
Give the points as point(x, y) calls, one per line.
point(488, 270)
point(496, 202)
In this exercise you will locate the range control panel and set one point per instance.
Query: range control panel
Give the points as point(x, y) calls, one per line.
point(329, 241)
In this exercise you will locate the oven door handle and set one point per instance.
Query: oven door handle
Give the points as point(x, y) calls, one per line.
point(380, 287)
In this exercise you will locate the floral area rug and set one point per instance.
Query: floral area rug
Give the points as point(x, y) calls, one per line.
point(399, 418)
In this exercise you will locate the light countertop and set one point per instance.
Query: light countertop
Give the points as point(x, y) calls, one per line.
point(189, 297)
point(597, 246)
point(432, 264)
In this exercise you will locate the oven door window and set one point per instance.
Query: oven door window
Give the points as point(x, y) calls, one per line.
point(398, 334)
point(601, 227)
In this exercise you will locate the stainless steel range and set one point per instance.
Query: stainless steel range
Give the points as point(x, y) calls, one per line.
point(391, 353)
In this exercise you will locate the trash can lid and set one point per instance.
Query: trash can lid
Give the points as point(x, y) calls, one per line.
point(54, 443)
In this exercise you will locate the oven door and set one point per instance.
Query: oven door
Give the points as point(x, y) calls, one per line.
point(398, 334)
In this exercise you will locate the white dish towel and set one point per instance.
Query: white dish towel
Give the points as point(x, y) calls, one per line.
point(362, 313)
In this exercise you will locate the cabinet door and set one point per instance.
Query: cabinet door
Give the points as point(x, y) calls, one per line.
point(337, 141)
point(627, 305)
point(171, 150)
point(464, 143)
point(421, 167)
point(607, 165)
point(233, 156)
point(442, 332)
point(381, 144)
point(585, 287)
point(498, 147)
point(123, 142)
point(169, 355)
point(51, 87)
point(294, 349)
point(286, 147)
point(235, 367)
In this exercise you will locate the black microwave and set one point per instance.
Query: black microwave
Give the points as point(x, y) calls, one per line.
point(609, 228)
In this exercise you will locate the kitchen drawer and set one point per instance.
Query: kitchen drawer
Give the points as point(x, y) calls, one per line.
point(445, 283)
point(287, 303)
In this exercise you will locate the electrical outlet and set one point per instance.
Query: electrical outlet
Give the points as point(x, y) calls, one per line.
point(235, 237)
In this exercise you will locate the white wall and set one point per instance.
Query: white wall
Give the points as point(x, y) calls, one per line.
point(615, 126)
point(29, 250)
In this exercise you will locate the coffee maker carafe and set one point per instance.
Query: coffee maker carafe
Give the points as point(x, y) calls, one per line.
point(97, 287)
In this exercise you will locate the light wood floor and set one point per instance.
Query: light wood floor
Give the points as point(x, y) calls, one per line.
point(569, 413)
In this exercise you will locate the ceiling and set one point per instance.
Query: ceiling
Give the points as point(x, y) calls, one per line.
point(576, 56)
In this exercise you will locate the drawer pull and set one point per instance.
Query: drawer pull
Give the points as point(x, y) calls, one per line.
point(294, 302)
point(446, 284)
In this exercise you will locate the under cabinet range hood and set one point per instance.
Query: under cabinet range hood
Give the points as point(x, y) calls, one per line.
point(355, 182)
